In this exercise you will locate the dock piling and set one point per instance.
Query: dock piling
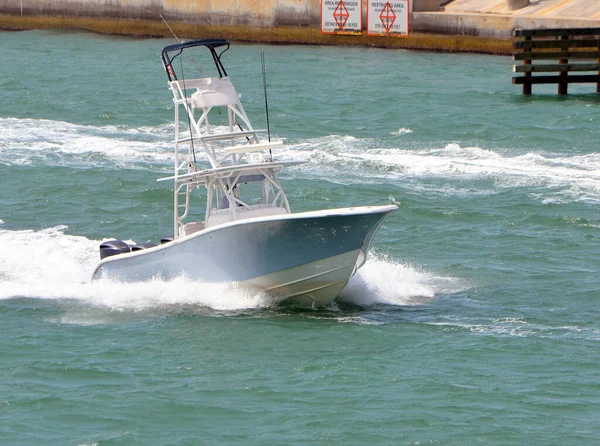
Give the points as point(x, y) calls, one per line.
point(572, 48)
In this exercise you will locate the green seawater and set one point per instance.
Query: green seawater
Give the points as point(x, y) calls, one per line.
point(475, 321)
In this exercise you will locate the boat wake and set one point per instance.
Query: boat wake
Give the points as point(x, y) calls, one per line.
point(42, 141)
point(49, 264)
point(558, 177)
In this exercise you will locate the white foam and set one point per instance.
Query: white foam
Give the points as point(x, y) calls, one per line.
point(569, 177)
point(49, 264)
point(384, 281)
point(519, 170)
point(516, 327)
point(402, 131)
point(577, 177)
point(38, 257)
point(23, 141)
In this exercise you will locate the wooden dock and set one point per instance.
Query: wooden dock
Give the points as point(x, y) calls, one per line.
point(575, 50)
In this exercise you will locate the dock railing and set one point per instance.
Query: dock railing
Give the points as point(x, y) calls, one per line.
point(575, 50)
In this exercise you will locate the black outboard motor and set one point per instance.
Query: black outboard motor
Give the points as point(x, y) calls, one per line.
point(113, 247)
point(140, 246)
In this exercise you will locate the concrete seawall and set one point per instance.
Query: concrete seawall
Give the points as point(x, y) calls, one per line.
point(257, 13)
point(455, 27)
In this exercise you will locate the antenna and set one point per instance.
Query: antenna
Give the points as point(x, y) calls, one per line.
point(184, 91)
point(264, 73)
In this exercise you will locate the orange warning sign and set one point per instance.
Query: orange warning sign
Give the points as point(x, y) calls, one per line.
point(341, 16)
point(388, 18)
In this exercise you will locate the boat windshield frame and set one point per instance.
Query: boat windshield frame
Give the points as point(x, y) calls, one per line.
point(211, 44)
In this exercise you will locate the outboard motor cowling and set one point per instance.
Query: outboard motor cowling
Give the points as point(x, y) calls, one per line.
point(140, 246)
point(113, 247)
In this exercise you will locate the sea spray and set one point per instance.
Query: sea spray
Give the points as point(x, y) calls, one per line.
point(385, 281)
point(49, 264)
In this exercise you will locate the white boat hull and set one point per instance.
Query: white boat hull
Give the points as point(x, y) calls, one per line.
point(305, 258)
point(314, 284)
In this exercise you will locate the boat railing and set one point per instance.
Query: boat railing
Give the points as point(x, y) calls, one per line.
point(252, 153)
point(224, 135)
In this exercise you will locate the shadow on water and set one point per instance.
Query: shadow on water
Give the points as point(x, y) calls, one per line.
point(549, 98)
point(81, 313)
point(337, 312)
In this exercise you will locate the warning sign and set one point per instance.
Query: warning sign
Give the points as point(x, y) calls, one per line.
point(341, 16)
point(388, 18)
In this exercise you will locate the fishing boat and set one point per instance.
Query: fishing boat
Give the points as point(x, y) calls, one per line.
point(232, 220)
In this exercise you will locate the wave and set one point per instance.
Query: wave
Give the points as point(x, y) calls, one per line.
point(342, 159)
point(49, 264)
point(401, 131)
point(577, 177)
point(516, 327)
point(29, 141)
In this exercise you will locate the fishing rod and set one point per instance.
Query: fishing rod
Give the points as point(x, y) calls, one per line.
point(170, 29)
point(180, 41)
